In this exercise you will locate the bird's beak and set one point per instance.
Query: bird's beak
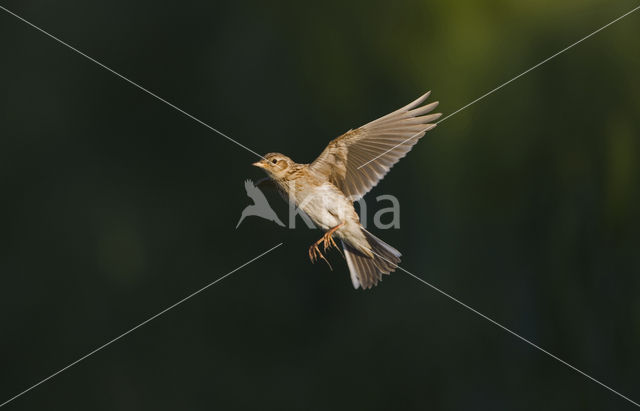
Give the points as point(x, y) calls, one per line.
point(259, 164)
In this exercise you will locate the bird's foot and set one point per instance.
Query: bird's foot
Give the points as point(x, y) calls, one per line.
point(327, 238)
point(315, 253)
point(327, 242)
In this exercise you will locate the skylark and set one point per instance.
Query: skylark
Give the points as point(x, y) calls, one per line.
point(345, 171)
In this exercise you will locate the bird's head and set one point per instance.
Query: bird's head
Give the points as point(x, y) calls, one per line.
point(276, 165)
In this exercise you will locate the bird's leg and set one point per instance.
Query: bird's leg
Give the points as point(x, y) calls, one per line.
point(328, 242)
point(327, 238)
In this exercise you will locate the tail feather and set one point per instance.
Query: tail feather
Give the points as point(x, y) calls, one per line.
point(367, 271)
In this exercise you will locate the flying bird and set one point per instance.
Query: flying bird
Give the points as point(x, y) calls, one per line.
point(260, 208)
point(345, 171)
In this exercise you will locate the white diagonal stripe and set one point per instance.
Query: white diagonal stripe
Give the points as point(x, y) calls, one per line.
point(510, 81)
point(473, 310)
point(133, 83)
point(138, 326)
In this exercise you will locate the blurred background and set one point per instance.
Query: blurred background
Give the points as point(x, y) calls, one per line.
point(115, 206)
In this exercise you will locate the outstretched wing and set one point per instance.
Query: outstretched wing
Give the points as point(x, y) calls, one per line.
point(357, 160)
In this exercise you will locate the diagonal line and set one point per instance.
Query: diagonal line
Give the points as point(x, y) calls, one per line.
point(138, 326)
point(512, 332)
point(507, 82)
point(152, 94)
point(539, 64)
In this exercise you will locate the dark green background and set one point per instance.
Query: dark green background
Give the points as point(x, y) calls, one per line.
point(115, 206)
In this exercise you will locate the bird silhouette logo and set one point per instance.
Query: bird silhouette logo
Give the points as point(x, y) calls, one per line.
point(260, 206)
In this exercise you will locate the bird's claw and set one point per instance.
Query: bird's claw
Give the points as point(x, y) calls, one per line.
point(327, 242)
point(315, 253)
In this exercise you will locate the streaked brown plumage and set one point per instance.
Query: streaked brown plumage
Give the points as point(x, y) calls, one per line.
point(345, 171)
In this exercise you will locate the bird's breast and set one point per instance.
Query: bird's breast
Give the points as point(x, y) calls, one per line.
point(325, 205)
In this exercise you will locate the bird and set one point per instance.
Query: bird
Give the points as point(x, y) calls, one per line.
point(349, 167)
point(260, 206)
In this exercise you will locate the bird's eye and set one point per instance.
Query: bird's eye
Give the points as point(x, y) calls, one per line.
point(274, 161)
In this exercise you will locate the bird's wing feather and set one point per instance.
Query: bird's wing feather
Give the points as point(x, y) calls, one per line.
point(347, 160)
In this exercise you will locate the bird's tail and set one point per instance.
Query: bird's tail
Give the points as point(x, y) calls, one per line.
point(367, 271)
